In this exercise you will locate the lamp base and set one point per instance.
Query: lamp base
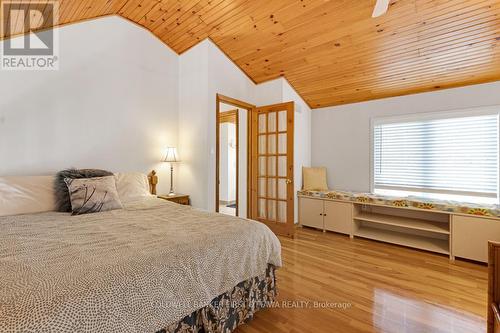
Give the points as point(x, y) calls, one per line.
point(171, 193)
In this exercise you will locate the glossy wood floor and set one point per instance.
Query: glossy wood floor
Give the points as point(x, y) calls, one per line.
point(375, 287)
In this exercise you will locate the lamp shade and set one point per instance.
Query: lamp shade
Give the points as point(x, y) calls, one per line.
point(171, 155)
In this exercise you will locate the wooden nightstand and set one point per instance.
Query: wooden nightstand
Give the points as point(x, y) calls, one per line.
point(181, 199)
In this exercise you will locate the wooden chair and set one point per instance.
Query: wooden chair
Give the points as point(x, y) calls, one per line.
point(493, 287)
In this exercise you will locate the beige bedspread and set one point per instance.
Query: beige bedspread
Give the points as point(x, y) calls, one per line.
point(131, 270)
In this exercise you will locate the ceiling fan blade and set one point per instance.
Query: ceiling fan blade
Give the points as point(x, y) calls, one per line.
point(381, 8)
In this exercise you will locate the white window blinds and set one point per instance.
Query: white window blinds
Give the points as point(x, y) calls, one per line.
point(447, 154)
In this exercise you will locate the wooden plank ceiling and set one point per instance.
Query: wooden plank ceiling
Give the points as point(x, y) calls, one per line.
point(331, 51)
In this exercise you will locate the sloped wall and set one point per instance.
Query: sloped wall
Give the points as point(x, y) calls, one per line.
point(113, 104)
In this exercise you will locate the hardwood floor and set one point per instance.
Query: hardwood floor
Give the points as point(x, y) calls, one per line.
point(372, 287)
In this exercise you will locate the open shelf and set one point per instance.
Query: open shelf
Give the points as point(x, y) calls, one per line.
point(405, 222)
point(409, 240)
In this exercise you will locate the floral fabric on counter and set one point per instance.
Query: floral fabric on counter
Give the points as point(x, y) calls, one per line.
point(410, 202)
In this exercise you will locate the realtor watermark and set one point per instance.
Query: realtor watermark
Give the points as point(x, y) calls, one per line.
point(256, 304)
point(34, 44)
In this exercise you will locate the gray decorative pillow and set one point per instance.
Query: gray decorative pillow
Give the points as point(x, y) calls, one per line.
point(63, 203)
point(92, 195)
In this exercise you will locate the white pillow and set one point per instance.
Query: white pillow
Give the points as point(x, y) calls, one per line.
point(28, 194)
point(132, 186)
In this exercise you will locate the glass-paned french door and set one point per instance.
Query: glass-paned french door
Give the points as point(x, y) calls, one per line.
point(272, 167)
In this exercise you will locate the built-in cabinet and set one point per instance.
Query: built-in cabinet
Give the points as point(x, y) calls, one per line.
point(311, 213)
point(471, 235)
point(326, 215)
point(442, 232)
point(338, 217)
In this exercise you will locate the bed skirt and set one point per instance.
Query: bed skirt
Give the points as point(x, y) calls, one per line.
point(231, 309)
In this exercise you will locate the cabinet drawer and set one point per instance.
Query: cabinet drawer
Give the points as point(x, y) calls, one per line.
point(182, 201)
point(470, 236)
point(311, 212)
point(338, 217)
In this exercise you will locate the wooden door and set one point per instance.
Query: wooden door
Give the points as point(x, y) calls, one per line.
point(272, 190)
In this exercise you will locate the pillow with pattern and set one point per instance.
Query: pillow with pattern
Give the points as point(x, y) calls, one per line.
point(93, 195)
point(63, 203)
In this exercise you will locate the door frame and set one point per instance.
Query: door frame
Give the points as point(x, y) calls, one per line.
point(219, 98)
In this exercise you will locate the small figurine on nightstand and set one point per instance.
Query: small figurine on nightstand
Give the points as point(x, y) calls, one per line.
point(153, 181)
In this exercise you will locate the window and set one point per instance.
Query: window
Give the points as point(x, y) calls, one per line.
point(451, 156)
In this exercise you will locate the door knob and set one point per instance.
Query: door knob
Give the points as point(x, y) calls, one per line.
point(288, 181)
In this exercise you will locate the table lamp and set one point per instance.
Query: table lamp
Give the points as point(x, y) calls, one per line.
point(171, 157)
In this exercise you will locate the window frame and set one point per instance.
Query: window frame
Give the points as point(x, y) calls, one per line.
point(434, 115)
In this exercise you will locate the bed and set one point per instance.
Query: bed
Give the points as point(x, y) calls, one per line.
point(153, 266)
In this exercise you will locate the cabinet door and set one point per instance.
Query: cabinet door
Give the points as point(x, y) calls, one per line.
point(311, 212)
point(338, 217)
point(470, 236)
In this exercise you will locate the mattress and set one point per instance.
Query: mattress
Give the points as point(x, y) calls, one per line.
point(132, 270)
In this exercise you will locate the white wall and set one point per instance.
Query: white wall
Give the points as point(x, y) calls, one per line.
point(302, 137)
point(269, 92)
point(341, 135)
point(231, 162)
point(223, 163)
point(227, 166)
point(193, 124)
point(113, 104)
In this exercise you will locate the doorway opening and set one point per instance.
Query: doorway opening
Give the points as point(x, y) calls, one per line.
point(229, 150)
point(232, 156)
